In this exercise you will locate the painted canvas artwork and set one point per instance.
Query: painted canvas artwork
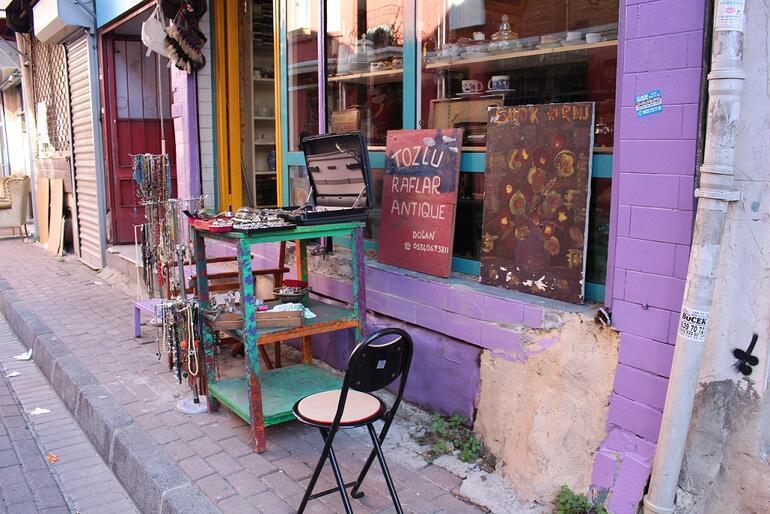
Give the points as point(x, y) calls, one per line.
point(419, 199)
point(536, 194)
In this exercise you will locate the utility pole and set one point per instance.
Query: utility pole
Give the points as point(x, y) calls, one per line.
point(715, 193)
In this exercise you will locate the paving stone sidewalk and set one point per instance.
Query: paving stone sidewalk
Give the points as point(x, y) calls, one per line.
point(94, 320)
point(78, 480)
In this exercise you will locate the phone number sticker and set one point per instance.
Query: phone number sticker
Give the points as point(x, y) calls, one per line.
point(693, 324)
point(648, 103)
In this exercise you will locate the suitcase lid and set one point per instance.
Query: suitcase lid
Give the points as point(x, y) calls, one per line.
point(338, 169)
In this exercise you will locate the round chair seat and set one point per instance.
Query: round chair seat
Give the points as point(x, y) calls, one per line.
point(320, 408)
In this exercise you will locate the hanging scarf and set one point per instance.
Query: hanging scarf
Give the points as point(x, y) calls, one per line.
point(184, 42)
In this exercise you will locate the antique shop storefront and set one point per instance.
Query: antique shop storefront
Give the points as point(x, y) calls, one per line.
point(521, 357)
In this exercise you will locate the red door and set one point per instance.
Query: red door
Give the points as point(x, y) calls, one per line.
point(138, 101)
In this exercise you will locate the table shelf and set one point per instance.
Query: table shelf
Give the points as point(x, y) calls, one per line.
point(281, 388)
point(328, 318)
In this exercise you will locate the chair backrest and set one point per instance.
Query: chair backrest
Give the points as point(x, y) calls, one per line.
point(379, 360)
point(375, 363)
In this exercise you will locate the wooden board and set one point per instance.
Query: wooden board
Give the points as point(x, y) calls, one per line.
point(536, 194)
point(56, 230)
point(348, 120)
point(469, 114)
point(42, 200)
point(419, 199)
point(281, 388)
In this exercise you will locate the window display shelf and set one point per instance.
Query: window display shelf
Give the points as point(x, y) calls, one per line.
point(370, 77)
point(505, 59)
point(264, 118)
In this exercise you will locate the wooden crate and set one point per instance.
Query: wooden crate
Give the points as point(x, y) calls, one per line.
point(272, 319)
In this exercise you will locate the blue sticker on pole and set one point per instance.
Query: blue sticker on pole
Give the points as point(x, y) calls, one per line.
point(648, 103)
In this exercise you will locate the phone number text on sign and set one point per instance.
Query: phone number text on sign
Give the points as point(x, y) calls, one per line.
point(693, 324)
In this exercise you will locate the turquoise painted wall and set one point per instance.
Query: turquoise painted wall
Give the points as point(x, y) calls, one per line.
point(108, 10)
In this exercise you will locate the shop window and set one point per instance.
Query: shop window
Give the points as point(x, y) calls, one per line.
point(365, 58)
point(261, 169)
point(478, 54)
point(302, 77)
point(465, 57)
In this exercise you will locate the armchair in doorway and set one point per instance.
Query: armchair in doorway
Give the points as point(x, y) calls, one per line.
point(14, 194)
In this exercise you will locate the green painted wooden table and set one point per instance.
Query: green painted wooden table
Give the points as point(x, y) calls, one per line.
point(266, 398)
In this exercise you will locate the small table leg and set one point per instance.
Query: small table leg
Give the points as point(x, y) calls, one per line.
point(208, 338)
point(302, 274)
point(359, 282)
point(255, 409)
point(250, 344)
point(137, 322)
point(307, 350)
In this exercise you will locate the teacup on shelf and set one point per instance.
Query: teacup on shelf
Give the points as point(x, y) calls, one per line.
point(471, 86)
point(499, 82)
point(593, 37)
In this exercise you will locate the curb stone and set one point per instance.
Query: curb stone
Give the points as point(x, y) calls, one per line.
point(153, 481)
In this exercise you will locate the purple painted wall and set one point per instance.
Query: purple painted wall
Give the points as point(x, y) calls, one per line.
point(184, 111)
point(651, 228)
point(445, 374)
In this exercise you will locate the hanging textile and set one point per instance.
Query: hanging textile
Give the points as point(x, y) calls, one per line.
point(184, 42)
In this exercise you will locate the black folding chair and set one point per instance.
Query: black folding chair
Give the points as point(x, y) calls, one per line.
point(374, 364)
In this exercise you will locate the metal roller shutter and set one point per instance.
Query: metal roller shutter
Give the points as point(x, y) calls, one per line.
point(89, 198)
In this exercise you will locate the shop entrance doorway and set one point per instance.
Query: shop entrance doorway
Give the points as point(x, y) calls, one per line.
point(137, 94)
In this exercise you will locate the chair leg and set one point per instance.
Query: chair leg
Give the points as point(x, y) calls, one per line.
point(316, 473)
point(385, 471)
point(338, 474)
point(355, 493)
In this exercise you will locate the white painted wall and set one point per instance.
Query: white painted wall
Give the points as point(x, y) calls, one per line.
point(727, 463)
point(205, 114)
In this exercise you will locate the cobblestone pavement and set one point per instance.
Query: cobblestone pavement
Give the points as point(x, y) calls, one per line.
point(79, 480)
point(95, 321)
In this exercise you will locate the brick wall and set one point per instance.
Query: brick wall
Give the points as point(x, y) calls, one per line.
point(651, 229)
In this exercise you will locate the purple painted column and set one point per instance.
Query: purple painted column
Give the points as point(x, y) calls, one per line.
point(650, 230)
point(184, 111)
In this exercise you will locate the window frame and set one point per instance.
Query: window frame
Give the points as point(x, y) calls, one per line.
point(471, 162)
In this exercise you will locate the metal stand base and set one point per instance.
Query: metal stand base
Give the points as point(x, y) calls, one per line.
point(188, 406)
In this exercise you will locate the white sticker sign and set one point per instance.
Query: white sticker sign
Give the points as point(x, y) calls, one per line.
point(729, 15)
point(693, 324)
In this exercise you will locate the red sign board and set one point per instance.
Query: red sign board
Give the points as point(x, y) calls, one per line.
point(419, 197)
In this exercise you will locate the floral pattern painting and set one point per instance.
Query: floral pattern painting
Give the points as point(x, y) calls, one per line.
point(536, 193)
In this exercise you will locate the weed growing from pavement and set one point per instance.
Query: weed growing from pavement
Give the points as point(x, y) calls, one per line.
point(567, 502)
point(449, 435)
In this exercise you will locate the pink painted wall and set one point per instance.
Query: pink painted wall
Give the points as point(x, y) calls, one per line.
point(651, 228)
